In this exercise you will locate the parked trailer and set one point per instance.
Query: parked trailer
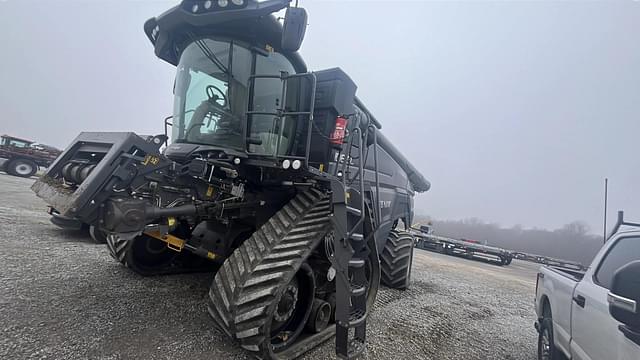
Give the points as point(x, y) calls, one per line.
point(462, 248)
point(545, 260)
point(472, 249)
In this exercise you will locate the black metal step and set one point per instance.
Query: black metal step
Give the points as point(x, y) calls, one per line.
point(355, 211)
point(356, 263)
point(358, 289)
point(357, 237)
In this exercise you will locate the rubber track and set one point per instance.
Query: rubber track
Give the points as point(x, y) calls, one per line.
point(246, 288)
point(117, 248)
point(396, 259)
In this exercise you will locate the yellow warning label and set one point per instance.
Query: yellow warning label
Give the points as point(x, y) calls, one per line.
point(151, 159)
point(321, 167)
point(210, 191)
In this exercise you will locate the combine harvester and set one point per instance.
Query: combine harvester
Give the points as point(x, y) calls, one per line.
point(271, 179)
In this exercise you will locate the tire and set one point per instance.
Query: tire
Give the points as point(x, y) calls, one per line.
point(395, 260)
point(97, 235)
point(503, 261)
point(22, 168)
point(142, 254)
point(546, 348)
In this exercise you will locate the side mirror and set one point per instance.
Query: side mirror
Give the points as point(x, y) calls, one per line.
point(295, 25)
point(624, 300)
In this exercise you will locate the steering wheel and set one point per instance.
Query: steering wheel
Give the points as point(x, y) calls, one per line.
point(211, 94)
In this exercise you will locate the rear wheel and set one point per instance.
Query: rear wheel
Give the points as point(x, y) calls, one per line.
point(22, 167)
point(546, 345)
point(395, 260)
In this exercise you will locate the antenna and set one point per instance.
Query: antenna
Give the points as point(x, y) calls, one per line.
point(606, 186)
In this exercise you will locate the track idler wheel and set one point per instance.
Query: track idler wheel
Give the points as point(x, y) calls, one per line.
point(293, 309)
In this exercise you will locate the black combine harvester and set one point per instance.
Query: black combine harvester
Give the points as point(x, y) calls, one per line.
point(276, 178)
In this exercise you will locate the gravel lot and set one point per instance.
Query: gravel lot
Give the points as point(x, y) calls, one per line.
point(62, 296)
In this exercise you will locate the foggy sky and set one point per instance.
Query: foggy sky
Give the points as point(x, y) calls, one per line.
point(516, 111)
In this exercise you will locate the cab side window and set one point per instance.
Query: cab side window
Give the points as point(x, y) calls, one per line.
point(624, 251)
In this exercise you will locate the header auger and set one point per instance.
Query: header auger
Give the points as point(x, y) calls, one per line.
point(277, 176)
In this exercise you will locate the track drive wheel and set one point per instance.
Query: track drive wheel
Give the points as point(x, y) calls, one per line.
point(396, 259)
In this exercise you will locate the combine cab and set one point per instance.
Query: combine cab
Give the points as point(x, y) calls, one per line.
point(277, 177)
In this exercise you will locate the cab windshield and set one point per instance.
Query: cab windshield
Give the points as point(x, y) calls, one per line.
point(213, 93)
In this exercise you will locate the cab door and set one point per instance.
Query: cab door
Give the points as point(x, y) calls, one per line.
point(594, 331)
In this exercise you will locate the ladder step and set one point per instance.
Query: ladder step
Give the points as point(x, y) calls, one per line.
point(357, 317)
point(354, 211)
point(358, 289)
point(357, 237)
point(356, 263)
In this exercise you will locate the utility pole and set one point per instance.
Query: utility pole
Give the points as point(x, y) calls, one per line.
point(606, 186)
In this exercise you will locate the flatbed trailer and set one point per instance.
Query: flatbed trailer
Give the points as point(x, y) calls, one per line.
point(546, 260)
point(472, 250)
point(462, 248)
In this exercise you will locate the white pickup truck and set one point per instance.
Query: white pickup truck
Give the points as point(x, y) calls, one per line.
point(593, 315)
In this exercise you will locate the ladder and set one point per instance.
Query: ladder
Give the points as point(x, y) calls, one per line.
point(350, 246)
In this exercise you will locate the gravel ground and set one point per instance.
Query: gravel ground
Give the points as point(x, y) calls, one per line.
point(63, 297)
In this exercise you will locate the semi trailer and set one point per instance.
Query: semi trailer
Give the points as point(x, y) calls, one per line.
point(276, 178)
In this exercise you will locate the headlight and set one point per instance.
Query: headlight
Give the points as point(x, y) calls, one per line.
point(207, 4)
point(223, 3)
point(238, 2)
point(286, 163)
point(296, 164)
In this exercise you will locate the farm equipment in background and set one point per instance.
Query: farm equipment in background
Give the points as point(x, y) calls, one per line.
point(464, 248)
point(276, 178)
point(20, 157)
point(472, 249)
point(546, 260)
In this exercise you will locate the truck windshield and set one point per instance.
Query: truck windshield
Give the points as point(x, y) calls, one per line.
point(212, 95)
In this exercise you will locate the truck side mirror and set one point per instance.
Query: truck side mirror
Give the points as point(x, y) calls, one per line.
point(293, 29)
point(624, 300)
